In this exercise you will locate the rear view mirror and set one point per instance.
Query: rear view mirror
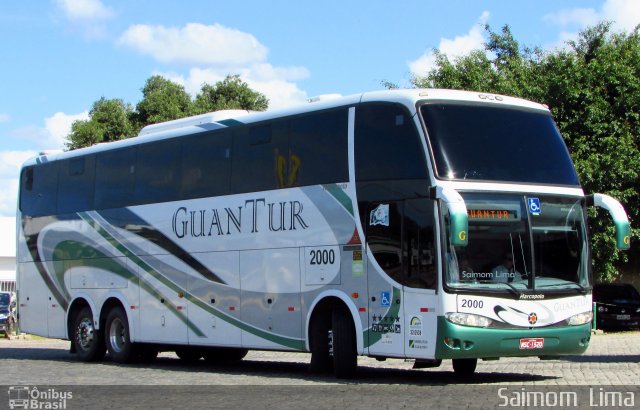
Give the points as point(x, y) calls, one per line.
point(619, 216)
point(457, 215)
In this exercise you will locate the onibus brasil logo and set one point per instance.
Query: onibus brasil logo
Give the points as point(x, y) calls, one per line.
point(25, 397)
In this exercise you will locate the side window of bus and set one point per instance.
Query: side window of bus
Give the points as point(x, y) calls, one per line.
point(38, 196)
point(384, 236)
point(157, 172)
point(75, 189)
point(387, 144)
point(392, 186)
point(401, 236)
point(206, 165)
point(319, 149)
point(115, 178)
point(259, 159)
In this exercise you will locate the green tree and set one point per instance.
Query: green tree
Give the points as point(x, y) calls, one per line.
point(230, 93)
point(162, 100)
point(108, 121)
point(593, 90)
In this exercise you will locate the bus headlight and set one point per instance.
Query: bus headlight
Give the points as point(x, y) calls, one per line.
point(580, 318)
point(468, 319)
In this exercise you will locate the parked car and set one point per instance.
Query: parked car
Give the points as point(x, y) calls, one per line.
point(7, 313)
point(617, 306)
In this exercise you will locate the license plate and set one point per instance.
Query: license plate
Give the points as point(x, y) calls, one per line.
point(532, 343)
point(623, 317)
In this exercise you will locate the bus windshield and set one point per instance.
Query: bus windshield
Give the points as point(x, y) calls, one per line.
point(521, 243)
point(496, 143)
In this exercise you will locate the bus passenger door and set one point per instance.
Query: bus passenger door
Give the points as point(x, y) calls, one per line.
point(420, 277)
point(383, 231)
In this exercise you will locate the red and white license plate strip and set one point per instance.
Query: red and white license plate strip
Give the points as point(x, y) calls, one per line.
point(532, 343)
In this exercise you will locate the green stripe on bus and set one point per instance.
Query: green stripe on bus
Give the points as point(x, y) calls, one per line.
point(298, 344)
point(341, 196)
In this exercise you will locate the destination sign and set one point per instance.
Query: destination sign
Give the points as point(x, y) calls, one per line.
point(492, 214)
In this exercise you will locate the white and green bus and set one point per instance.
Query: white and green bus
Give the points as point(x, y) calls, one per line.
point(415, 224)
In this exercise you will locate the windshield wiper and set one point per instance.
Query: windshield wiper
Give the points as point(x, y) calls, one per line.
point(579, 287)
point(513, 289)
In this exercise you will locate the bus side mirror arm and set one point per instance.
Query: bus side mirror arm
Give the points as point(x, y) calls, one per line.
point(619, 216)
point(457, 214)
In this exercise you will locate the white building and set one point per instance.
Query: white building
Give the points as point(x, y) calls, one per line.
point(8, 254)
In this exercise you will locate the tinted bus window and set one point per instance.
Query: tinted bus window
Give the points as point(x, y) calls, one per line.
point(206, 165)
point(319, 149)
point(115, 177)
point(75, 189)
point(39, 189)
point(494, 143)
point(260, 158)
point(158, 172)
point(387, 144)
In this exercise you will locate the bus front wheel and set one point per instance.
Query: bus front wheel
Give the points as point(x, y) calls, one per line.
point(464, 367)
point(118, 338)
point(343, 344)
point(321, 344)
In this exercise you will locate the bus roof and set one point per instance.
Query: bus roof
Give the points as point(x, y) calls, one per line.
point(226, 118)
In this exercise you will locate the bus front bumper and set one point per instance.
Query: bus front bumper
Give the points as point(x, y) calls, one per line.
point(458, 342)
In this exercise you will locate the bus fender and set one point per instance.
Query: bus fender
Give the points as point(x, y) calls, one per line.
point(92, 306)
point(127, 308)
point(352, 309)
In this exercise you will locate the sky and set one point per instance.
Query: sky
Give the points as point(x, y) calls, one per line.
point(57, 57)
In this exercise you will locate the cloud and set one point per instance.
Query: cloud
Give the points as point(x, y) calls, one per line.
point(276, 83)
point(84, 10)
point(625, 15)
point(195, 44)
point(213, 52)
point(52, 135)
point(86, 16)
point(4, 117)
point(567, 17)
point(10, 162)
point(452, 48)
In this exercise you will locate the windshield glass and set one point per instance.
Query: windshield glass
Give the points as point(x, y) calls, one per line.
point(521, 243)
point(5, 298)
point(496, 143)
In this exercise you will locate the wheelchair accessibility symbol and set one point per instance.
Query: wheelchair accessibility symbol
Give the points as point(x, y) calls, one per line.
point(534, 206)
point(385, 299)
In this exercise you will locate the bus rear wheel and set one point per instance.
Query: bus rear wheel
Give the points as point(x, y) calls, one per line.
point(118, 338)
point(464, 367)
point(87, 340)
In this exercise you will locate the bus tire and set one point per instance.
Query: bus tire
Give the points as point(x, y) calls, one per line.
point(117, 337)
point(343, 340)
point(146, 354)
point(189, 354)
point(464, 367)
point(320, 345)
point(88, 341)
